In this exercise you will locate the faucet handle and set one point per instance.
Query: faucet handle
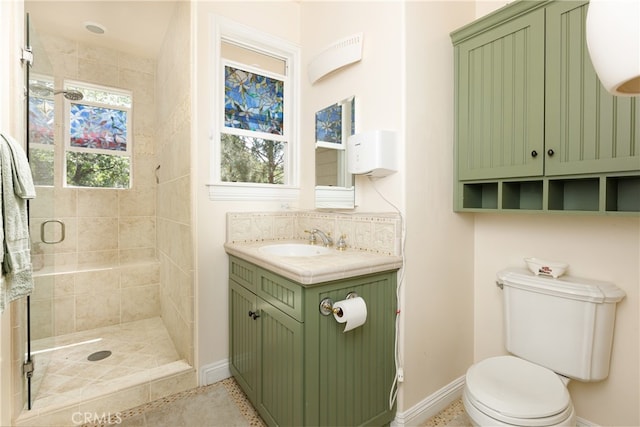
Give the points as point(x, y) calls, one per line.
point(312, 236)
point(342, 244)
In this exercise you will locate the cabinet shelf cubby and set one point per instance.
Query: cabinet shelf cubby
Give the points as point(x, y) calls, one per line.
point(623, 194)
point(481, 195)
point(574, 194)
point(617, 194)
point(522, 195)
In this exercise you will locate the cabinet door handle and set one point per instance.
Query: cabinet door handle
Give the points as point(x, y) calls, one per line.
point(253, 314)
point(550, 152)
point(534, 153)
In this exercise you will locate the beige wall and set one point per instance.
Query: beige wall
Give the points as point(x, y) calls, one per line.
point(174, 200)
point(376, 81)
point(211, 260)
point(438, 290)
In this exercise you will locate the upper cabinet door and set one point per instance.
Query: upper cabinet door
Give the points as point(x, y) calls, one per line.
point(588, 130)
point(500, 100)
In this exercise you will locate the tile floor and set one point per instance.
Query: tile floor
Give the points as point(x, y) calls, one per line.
point(453, 415)
point(64, 373)
point(224, 404)
point(219, 404)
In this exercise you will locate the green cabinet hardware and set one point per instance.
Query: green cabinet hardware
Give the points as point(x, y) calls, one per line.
point(535, 129)
point(298, 367)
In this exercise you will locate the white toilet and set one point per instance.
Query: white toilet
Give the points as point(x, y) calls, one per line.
point(556, 330)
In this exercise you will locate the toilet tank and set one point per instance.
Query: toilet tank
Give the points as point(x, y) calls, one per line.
point(565, 324)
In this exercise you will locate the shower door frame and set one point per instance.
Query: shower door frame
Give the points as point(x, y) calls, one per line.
point(28, 365)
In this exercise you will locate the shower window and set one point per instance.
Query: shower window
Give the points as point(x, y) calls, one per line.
point(98, 137)
point(41, 129)
point(254, 116)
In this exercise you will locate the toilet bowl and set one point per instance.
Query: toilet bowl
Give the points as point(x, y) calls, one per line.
point(509, 391)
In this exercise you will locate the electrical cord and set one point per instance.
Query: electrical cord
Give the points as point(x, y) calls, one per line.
point(393, 392)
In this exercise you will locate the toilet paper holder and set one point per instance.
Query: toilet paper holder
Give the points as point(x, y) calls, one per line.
point(326, 305)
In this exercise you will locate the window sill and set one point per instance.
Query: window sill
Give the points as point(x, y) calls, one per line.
point(252, 192)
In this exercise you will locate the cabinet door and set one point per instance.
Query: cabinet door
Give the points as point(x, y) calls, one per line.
point(587, 129)
point(350, 374)
point(243, 338)
point(280, 398)
point(500, 100)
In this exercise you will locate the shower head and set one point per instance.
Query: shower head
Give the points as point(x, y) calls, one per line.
point(71, 95)
point(42, 90)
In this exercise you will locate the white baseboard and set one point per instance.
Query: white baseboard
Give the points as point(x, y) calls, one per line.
point(431, 405)
point(214, 372)
point(581, 422)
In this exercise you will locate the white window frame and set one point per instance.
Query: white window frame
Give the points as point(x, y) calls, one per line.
point(223, 29)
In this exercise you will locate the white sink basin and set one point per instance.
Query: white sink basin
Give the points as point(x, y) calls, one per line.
point(294, 249)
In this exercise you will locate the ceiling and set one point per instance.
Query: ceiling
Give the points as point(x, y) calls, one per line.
point(136, 27)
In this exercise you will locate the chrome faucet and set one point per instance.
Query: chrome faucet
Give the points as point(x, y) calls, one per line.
point(326, 239)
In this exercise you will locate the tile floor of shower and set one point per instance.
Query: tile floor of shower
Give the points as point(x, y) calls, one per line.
point(140, 351)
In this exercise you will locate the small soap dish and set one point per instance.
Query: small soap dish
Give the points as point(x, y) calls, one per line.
point(547, 268)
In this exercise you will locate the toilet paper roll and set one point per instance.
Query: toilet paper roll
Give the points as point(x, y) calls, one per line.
point(353, 311)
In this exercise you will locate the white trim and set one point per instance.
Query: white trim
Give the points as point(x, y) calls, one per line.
point(214, 372)
point(581, 422)
point(252, 192)
point(434, 404)
point(431, 405)
point(335, 197)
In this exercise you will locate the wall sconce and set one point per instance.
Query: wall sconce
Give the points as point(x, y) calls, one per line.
point(339, 54)
point(613, 40)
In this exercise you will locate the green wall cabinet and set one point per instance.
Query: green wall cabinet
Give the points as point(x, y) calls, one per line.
point(535, 129)
point(298, 367)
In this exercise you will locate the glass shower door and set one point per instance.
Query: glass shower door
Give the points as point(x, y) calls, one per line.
point(40, 152)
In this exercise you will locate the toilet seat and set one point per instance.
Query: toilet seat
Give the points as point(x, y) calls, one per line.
point(517, 392)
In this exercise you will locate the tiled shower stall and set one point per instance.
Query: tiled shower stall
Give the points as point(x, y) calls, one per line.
point(126, 255)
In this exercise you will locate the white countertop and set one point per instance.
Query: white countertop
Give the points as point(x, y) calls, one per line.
point(312, 270)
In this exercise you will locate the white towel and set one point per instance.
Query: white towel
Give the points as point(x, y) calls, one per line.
point(16, 187)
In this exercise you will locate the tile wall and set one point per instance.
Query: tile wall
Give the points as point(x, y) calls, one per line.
point(372, 232)
point(174, 215)
point(102, 227)
point(78, 300)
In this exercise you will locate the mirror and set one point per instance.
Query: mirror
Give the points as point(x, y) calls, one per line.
point(334, 184)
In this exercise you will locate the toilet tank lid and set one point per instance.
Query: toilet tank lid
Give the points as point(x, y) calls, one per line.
point(565, 286)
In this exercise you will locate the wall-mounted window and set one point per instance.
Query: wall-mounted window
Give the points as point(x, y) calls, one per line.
point(98, 137)
point(253, 140)
point(254, 150)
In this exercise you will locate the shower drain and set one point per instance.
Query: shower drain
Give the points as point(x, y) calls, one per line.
point(99, 355)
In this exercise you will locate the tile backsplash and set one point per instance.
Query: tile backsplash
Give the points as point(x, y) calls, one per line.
point(371, 232)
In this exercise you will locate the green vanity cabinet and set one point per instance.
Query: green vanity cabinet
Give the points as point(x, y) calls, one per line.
point(296, 365)
point(535, 129)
